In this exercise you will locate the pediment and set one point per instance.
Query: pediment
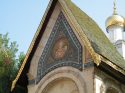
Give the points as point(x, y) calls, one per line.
point(62, 49)
point(47, 56)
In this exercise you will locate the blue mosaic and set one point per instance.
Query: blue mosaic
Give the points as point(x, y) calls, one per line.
point(62, 49)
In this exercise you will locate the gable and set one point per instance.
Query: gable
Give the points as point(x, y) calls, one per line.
point(62, 49)
point(87, 31)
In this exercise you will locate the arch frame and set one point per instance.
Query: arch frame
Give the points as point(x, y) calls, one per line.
point(63, 73)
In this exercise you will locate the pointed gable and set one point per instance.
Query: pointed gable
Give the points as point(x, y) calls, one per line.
point(62, 49)
point(88, 31)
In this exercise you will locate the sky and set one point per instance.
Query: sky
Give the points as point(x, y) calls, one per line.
point(21, 18)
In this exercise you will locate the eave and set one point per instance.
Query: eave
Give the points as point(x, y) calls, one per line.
point(35, 41)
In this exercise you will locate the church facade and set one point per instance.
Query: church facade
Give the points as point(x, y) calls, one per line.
point(70, 54)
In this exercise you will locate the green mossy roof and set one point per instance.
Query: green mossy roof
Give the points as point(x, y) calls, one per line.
point(98, 39)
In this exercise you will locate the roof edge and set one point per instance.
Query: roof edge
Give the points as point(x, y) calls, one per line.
point(114, 66)
point(30, 47)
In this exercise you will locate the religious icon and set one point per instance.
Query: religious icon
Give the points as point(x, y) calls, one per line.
point(60, 48)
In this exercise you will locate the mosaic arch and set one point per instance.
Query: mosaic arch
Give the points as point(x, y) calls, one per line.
point(62, 49)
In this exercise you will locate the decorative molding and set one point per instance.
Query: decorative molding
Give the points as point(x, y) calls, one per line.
point(62, 49)
point(63, 72)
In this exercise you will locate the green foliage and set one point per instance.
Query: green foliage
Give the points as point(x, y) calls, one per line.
point(21, 58)
point(9, 64)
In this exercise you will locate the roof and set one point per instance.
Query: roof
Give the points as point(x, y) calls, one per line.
point(94, 36)
point(98, 39)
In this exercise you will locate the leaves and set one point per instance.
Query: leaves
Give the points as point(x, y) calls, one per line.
point(9, 63)
point(21, 57)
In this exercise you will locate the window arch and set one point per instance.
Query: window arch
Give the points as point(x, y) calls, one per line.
point(112, 90)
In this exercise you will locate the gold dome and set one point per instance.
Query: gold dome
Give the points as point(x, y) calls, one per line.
point(115, 20)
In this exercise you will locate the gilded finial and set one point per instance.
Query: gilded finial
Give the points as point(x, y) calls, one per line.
point(114, 12)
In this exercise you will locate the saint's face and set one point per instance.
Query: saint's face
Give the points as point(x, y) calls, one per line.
point(60, 48)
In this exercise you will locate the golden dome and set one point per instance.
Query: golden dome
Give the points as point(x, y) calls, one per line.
point(115, 20)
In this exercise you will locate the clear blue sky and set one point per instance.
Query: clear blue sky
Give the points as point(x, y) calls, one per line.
point(20, 18)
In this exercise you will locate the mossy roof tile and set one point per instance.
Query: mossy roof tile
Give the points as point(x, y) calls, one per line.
point(98, 39)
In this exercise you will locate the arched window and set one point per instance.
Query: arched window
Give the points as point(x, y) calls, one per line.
point(111, 90)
